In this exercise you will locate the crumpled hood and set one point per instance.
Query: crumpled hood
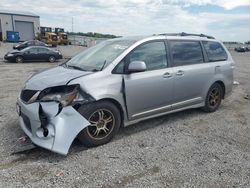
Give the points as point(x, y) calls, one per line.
point(53, 77)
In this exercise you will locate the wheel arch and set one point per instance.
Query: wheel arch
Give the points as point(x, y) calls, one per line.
point(52, 55)
point(221, 83)
point(118, 105)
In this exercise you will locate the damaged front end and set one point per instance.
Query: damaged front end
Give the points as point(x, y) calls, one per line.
point(49, 117)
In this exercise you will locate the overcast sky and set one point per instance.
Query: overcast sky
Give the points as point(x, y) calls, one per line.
point(225, 19)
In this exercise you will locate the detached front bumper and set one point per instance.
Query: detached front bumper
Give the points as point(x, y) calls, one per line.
point(61, 129)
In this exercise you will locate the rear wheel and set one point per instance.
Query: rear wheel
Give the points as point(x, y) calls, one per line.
point(19, 59)
point(52, 59)
point(214, 98)
point(105, 121)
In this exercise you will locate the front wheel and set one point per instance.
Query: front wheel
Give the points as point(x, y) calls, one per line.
point(19, 59)
point(213, 98)
point(105, 119)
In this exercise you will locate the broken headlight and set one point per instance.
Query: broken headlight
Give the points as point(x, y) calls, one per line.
point(65, 95)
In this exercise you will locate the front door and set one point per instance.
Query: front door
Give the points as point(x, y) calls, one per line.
point(149, 92)
point(30, 54)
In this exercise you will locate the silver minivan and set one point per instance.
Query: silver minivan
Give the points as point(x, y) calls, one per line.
point(122, 81)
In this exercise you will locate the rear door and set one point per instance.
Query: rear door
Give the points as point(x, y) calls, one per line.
point(150, 92)
point(190, 71)
point(43, 54)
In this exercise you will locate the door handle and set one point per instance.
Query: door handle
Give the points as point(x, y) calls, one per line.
point(167, 75)
point(180, 73)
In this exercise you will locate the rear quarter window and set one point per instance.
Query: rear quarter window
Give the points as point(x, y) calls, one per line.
point(215, 51)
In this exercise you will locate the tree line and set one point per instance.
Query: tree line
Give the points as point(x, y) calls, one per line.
point(93, 34)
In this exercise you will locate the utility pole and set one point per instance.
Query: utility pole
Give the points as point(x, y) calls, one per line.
point(72, 22)
point(73, 30)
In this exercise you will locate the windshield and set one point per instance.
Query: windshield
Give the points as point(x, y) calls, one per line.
point(22, 44)
point(100, 56)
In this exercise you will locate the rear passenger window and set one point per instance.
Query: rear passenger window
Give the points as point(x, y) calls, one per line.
point(215, 51)
point(186, 52)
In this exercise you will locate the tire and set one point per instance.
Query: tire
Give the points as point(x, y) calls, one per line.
point(213, 98)
point(52, 59)
point(19, 59)
point(99, 114)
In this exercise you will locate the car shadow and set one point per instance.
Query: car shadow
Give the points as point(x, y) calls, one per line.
point(59, 61)
point(164, 120)
point(38, 153)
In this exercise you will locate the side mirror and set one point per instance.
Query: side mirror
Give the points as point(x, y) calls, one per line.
point(137, 66)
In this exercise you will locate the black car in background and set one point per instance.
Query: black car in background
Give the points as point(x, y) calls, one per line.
point(241, 49)
point(34, 53)
point(29, 43)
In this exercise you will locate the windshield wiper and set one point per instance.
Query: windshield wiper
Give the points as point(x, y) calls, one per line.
point(96, 70)
point(63, 64)
point(104, 63)
point(75, 67)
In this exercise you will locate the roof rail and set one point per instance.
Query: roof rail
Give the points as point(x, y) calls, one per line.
point(186, 34)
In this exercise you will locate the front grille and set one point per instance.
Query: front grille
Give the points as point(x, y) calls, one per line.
point(26, 121)
point(27, 94)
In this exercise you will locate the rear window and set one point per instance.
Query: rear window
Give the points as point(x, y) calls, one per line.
point(186, 52)
point(215, 51)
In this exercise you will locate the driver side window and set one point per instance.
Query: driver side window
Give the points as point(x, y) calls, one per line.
point(152, 53)
point(32, 51)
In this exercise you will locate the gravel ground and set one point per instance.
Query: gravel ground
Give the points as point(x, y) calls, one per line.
point(185, 149)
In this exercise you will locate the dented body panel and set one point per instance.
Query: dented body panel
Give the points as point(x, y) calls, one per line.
point(52, 77)
point(62, 128)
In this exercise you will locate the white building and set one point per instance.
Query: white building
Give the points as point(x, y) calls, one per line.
point(26, 23)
